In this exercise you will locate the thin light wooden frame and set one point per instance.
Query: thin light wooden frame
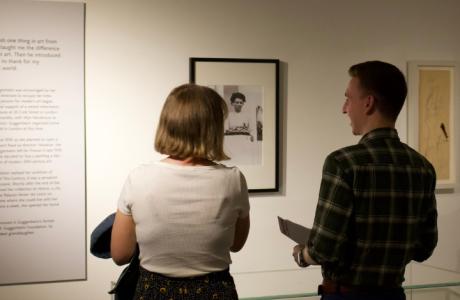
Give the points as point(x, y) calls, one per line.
point(433, 94)
point(261, 72)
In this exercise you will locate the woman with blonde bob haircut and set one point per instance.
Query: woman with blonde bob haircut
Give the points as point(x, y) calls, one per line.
point(192, 124)
point(186, 212)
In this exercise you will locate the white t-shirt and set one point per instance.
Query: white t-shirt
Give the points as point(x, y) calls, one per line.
point(185, 215)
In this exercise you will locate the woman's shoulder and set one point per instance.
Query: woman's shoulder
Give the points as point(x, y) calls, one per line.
point(143, 169)
point(223, 166)
point(233, 171)
point(161, 168)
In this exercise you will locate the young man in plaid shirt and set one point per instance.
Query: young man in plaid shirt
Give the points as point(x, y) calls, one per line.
point(377, 209)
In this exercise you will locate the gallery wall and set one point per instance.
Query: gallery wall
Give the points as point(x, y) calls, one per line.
point(137, 51)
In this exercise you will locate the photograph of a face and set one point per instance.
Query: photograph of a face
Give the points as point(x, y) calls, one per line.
point(244, 124)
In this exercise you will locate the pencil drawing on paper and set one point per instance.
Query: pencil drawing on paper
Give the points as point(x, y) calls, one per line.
point(434, 118)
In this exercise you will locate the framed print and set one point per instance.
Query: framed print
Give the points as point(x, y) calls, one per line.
point(250, 87)
point(432, 103)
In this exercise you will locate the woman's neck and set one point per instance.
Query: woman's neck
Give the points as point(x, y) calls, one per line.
point(189, 161)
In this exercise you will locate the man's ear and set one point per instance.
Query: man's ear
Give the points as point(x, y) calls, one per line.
point(370, 104)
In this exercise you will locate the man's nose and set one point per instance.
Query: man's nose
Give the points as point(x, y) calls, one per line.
point(344, 108)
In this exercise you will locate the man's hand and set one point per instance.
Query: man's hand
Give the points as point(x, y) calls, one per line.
point(297, 253)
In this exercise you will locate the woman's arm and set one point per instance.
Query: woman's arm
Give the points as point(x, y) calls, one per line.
point(241, 234)
point(123, 241)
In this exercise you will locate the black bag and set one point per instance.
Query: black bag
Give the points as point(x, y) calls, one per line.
point(125, 287)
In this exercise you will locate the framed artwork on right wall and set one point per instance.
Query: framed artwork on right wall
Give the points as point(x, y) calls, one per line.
point(433, 99)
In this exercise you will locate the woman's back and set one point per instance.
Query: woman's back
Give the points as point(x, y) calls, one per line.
point(185, 216)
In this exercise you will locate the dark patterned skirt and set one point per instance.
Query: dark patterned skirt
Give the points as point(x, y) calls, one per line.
point(216, 285)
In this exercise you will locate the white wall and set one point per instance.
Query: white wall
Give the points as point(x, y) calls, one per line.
point(137, 51)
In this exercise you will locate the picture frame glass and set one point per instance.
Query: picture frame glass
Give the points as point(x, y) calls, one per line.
point(433, 88)
point(250, 90)
point(435, 96)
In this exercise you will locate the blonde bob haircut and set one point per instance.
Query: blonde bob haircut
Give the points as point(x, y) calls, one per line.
point(192, 124)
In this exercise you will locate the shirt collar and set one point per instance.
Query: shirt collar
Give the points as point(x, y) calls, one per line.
point(380, 133)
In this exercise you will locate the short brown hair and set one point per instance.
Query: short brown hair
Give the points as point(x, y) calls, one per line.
point(192, 124)
point(237, 95)
point(385, 82)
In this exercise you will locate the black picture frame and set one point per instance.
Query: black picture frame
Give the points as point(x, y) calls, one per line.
point(253, 148)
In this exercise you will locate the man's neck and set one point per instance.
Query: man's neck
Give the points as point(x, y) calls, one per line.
point(377, 122)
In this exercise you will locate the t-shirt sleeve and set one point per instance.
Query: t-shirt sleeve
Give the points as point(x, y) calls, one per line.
point(124, 201)
point(243, 197)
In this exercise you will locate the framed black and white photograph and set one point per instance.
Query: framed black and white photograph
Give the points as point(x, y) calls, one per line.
point(250, 87)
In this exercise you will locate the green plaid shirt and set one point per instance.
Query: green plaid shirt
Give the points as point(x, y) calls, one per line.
point(376, 211)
